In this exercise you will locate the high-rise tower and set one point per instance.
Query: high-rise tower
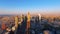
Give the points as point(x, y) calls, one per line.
point(39, 16)
point(28, 22)
point(21, 19)
point(16, 21)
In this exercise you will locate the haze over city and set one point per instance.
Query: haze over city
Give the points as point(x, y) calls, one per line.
point(45, 7)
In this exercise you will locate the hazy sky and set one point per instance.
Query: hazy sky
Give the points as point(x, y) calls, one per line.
point(34, 6)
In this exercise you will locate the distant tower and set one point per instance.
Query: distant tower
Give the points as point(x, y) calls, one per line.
point(39, 16)
point(28, 22)
point(16, 21)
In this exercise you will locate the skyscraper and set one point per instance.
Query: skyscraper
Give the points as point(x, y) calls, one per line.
point(28, 22)
point(16, 21)
point(39, 16)
point(21, 19)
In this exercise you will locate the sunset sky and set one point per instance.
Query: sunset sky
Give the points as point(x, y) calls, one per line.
point(51, 7)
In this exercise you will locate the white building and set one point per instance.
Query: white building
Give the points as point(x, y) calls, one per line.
point(39, 16)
